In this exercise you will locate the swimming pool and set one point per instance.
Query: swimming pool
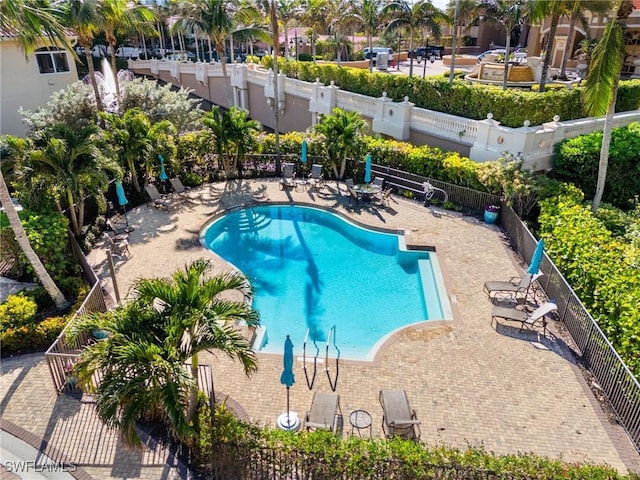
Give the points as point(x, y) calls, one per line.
point(312, 270)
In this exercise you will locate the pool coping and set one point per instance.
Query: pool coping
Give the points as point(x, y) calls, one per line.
point(374, 355)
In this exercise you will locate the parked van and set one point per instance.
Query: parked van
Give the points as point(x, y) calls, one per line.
point(126, 51)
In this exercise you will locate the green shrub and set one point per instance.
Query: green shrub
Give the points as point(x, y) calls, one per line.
point(306, 57)
point(601, 269)
point(577, 159)
point(17, 311)
point(252, 59)
point(31, 338)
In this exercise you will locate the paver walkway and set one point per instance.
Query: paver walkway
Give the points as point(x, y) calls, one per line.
point(469, 382)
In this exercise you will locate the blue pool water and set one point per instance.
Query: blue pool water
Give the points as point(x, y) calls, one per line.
point(314, 270)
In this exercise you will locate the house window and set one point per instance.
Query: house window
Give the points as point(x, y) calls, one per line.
point(52, 60)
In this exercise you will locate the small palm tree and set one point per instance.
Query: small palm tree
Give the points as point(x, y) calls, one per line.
point(170, 322)
point(367, 14)
point(314, 14)
point(461, 14)
point(71, 163)
point(241, 131)
point(511, 14)
point(413, 17)
point(602, 83)
point(343, 132)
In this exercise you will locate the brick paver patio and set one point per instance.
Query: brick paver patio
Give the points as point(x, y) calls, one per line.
point(470, 382)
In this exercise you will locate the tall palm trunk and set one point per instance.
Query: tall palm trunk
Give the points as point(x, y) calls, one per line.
point(569, 47)
point(505, 75)
point(223, 64)
point(72, 213)
point(548, 52)
point(193, 394)
point(276, 113)
point(603, 164)
point(92, 75)
point(114, 71)
point(21, 237)
point(370, 44)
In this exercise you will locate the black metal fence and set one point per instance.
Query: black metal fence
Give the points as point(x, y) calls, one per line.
point(597, 354)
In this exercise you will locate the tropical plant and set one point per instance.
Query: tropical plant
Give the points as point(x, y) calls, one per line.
point(314, 14)
point(72, 167)
point(461, 14)
point(602, 84)
point(344, 133)
point(142, 361)
point(83, 17)
point(367, 15)
point(511, 14)
point(413, 17)
point(137, 142)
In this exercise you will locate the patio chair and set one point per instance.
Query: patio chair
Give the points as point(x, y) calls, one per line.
point(288, 176)
point(325, 412)
point(398, 419)
point(349, 183)
point(316, 177)
point(514, 285)
point(379, 181)
point(159, 201)
point(382, 198)
point(353, 196)
point(528, 319)
point(183, 191)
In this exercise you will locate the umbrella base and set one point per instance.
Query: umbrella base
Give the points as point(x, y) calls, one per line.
point(290, 422)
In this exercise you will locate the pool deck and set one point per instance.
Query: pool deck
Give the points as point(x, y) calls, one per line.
point(470, 382)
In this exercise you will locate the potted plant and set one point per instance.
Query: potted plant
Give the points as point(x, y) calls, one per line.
point(491, 213)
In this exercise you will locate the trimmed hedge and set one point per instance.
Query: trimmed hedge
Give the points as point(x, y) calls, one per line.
point(576, 160)
point(511, 107)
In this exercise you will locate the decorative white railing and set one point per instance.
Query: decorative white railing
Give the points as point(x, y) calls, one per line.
point(463, 130)
point(355, 102)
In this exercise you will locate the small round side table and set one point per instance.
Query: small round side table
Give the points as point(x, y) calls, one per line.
point(360, 420)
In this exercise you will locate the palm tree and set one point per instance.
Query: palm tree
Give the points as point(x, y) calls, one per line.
point(462, 13)
point(83, 16)
point(541, 9)
point(214, 119)
point(119, 16)
point(287, 11)
point(343, 132)
point(12, 147)
point(315, 14)
point(71, 163)
point(242, 132)
point(33, 22)
point(169, 323)
point(413, 17)
point(577, 9)
point(137, 142)
point(510, 14)
point(367, 15)
point(602, 82)
point(217, 20)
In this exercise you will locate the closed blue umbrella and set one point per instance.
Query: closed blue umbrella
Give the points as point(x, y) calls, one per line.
point(287, 378)
point(536, 258)
point(303, 154)
point(122, 199)
point(163, 175)
point(367, 169)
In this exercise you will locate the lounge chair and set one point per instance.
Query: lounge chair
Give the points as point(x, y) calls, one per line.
point(183, 191)
point(316, 177)
point(288, 176)
point(159, 201)
point(116, 227)
point(513, 286)
point(398, 419)
point(325, 412)
point(528, 319)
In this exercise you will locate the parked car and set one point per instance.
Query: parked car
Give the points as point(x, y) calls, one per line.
point(98, 51)
point(181, 56)
point(430, 51)
point(520, 54)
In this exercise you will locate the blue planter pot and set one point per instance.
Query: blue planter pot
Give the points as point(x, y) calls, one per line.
point(490, 217)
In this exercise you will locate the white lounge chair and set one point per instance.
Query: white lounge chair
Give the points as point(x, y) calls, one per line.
point(513, 286)
point(528, 319)
point(288, 176)
point(316, 177)
point(398, 419)
point(325, 412)
point(183, 191)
